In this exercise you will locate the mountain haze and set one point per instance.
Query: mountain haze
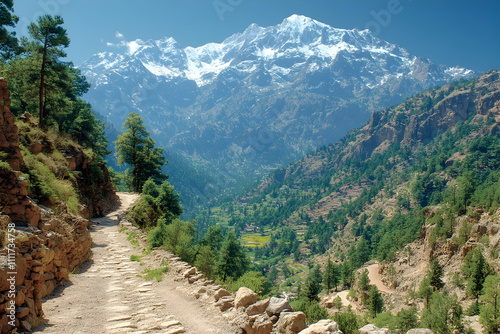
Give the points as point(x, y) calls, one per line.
point(260, 99)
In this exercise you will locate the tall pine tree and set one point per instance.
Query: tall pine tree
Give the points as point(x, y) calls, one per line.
point(135, 148)
point(50, 39)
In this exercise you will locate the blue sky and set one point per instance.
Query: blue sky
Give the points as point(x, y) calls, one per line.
point(449, 32)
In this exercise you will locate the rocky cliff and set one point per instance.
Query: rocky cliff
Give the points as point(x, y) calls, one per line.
point(38, 249)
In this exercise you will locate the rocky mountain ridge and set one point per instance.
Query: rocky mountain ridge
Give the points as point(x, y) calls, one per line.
point(259, 99)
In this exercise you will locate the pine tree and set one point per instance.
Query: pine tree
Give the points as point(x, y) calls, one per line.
point(364, 281)
point(8, 40)
point(436, 275)
point(49, 38)
point(490, 311)
point(168, 201)
point(330, 275)
point(205, 261)
point(233, 260)
point(476, 269)
point(375, 302)
point(136, 148)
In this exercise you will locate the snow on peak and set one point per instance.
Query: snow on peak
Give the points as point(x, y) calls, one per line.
point(282, 48)
point(300, 23)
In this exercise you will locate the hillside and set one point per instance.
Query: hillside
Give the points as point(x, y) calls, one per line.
point(228, 113)
point(428, 164)
point(49, 185)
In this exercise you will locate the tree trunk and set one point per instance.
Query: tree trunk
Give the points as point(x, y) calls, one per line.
point(42, 84)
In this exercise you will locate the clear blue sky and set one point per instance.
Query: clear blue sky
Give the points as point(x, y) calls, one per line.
point(450, 32)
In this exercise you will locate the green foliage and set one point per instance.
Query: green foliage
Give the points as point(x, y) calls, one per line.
point(348, 322)
point(179, 239)
point(436, 275)
point(135, 258)
point(331, 275)
point(8, 40)
point(168, 201)
point(425, 290)
point(312, 310)
point(384, 320)
point(135, 148)
point(45, 185)
point(443, 314)
point(475, 269)
point(157, 236)
point(252, 280)
point(337, 303)
point(364, 281)
point(232, 261)
point(205, 261)
point(49, 38)
point(150, 188)
point(157, 274)
point(407, 319)
point(312, 286)
point(490, 310)
point(375, 303)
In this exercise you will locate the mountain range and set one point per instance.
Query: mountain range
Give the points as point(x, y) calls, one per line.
point(229, 112)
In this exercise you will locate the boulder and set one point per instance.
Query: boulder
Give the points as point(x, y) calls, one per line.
point(221, 293)
point(420, 331)
point(258, 308)
point(371, 329)
point(225, 303)
point(189, 272)
point(262, 325)
point(322, 327)
point(291, 322)
point(278, 305)
point(245, 297)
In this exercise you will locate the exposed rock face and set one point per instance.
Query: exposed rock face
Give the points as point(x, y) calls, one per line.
point(258, 308)
point(14, 199)
point(9, 140)
point(372, 329)
point(322, 327)
point(278, 305)
point(291, 322)
point(245, 297)
point(420, 331)
point(38, 250)
point(413, 124)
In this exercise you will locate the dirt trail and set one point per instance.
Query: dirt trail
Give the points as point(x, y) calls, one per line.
point(108, 297)
point(375, 278)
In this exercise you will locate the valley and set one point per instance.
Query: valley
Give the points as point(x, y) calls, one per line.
point(290, 178)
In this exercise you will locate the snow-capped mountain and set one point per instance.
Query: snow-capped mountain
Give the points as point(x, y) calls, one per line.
point(261, 98)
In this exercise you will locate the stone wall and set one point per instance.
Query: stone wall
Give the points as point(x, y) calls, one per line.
point(44, 257)
point(37, 249)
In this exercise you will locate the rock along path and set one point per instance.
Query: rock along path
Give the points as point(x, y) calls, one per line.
point(107, 296)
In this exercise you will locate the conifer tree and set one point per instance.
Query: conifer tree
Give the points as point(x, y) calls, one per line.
point(233, 260)
point(476, 269)
point(135, 148)
point(8, 40)
point(375, 302)
point(490, 311)
point(50, 37)
point(436, 275)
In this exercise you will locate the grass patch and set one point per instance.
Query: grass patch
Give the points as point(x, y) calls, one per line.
point(135, 258)
point(255, 240)
point(157, 274)
point(133, 238)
